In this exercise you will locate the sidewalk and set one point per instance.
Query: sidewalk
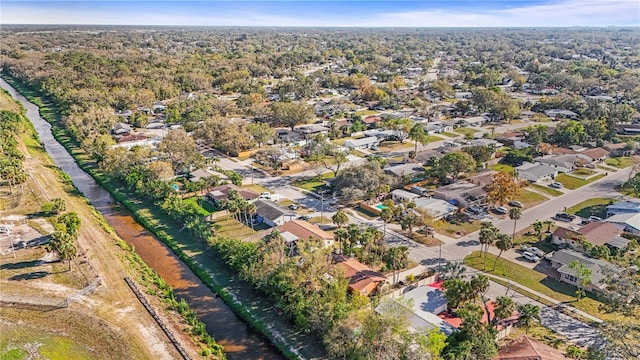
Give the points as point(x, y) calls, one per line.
point(539, 296)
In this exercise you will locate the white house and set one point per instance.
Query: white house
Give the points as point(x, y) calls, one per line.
point(623, 207)
point(399, 195)
point(628, 222)
point(270, 213)
point(435, 207)
point(362, 143)
point(535, 172)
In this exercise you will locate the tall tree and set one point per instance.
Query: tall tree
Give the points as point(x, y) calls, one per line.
point(181, 150)
point(453, 165)
point(515, 214)
point(583, 274)
point(504, 309)
point(503, 188)
point(503, 243)
point(291, 114)
point(340, 219)
point(537, 227)
point(418, 135)
point(528, 314)
point(261, 132)
point(488, 234)
point(401, 127)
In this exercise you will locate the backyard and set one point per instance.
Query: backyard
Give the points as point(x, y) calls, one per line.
point(572, 183)
point(504, 168)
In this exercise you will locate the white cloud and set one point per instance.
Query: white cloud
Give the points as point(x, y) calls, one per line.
point(563, 13)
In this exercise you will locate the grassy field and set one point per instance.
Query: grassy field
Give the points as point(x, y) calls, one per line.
point(547, 190)
point(313, 183)
point(572, 183)
point(204, 207)
point(620, 162)
point(256, 188)
point(530, 199)
point(448, 229)
point(504, 168)
point(449, 134)
point(538, 282)
point(467, 132)
point(233, 228)
point(595, 206)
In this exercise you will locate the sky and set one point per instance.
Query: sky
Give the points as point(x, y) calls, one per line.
point(313, 13)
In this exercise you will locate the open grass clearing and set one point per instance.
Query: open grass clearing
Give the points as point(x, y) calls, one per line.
point(538, 282)
point(449, 134)
point(530, 199)
point(546, 189)
point(572, 183)
point(395, 145)
point(620, 162)
point(315, 183)
point(467, 132)
point(455, 230)
point(504, 168)
point(589, 207)
point(256, 188)
point(199, 203)
point(233, 228)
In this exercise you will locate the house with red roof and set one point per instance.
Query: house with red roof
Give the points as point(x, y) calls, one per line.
point(362, 279)
point(526, 348)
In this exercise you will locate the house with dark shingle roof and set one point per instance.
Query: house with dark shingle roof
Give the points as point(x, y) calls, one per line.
point(597, 154)
point(595, 233)
point(561, 260)
point(221, 192)
point(270, 213)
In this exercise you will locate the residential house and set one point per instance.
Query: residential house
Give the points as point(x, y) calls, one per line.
point(564, 163)
point(561, 114)
point(437, 127)
point(427, 302)
point(371, 121)
point(362, 279)
point(311, 130)
point(483, 178)
point(485, 142)
point(198, 174)
point(130, 140)
point(158, 107)
point(597, 154)
point(461, 193)
point(427, 155)
point(304, 230)
point(595, 233)
point(288, 136)
point(628, 129)
point(474, 121)
point(620, 149)
point(436, 208)
point(221, 192)
point(526, 348)
point(270, 213)
point(629, 222)
point(399, 195)
point(623, 207)
point(121, 129)
point(404, 170)
point(521, 144)
point(535, 172)
point(510, 137)
point(561, 259)
point(362, 143)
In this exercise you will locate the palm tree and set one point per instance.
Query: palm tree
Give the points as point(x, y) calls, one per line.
point(340, 219)
point(487, 236)
point(529, 314)
point(515, 214)
point(503, 243)
point(251, 209)
point(341, 235)
point(418, 135)
point(548, 223)
point(386, 214)
point(537, 227)
point(504, 308)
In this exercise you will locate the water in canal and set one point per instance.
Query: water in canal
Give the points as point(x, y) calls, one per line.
point(239, 341)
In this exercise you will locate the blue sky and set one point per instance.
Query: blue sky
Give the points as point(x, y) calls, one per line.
point(362, 13)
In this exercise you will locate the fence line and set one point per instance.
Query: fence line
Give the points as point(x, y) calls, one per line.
point(155, 316)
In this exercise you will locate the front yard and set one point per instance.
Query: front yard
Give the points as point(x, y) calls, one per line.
point(504, 168)
point(536, 281)
point(620, 162)
point(595, 207)
point(572, 183)
point(456, 230)
point(314, 183)
point(547, 190)
point(530, 199)
point(467, 132)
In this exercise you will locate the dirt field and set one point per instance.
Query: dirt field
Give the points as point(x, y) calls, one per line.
point(107, 323)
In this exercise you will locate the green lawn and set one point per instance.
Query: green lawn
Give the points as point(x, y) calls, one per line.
point(571, 182)
point(364, 113)
point(595, 206)
point(233, 228)
point(448, 229)
point(504, 168)
point(546, 189)
point(256, 188)
point(620, 162)
point(536, 281)
point(341, 141)
point(448, 134)
point(530, 199)
point(313, 183)
point(433, 138)
point(467, 132)
point(204, 207)
point(583, 172)
point(365, 214)
point(395, 145)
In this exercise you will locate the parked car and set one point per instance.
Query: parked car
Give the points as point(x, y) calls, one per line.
point(517, 204)
point(556, 185)
point(475, 210)
point(593, 218)
point(500, 210)
point(535, 251)
point(565, 217)
point(293, 207)
point(265, 196)
point(304, 217)
point(530, 256)
point(374, 147)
